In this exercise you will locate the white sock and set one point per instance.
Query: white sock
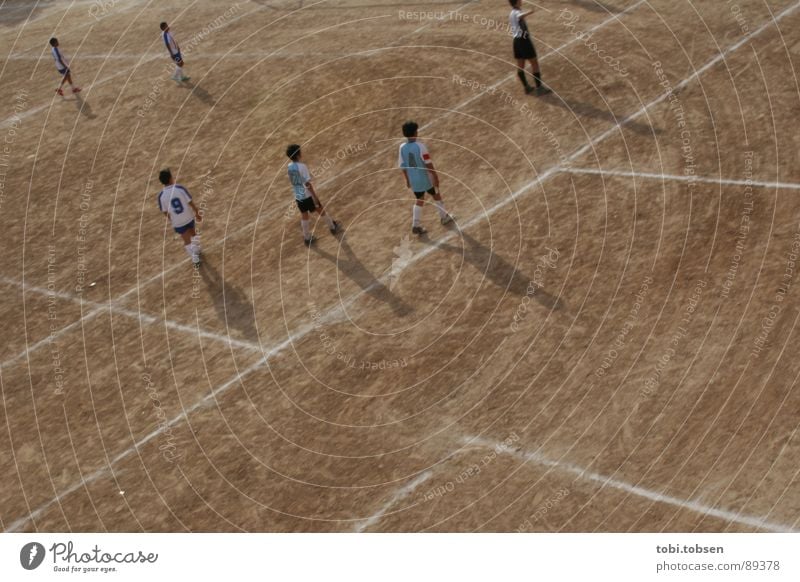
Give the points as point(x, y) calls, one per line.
point(189, 251)
point(330, 220)
point(417, 214)
point(440, 206)
point(196, 244)
point(178, 72)
point(304, 224)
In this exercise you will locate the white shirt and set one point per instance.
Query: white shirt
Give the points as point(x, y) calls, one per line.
point(299, 176)
point(172, 46)
point(60, 59)
point(175, 200)
point(517, 30)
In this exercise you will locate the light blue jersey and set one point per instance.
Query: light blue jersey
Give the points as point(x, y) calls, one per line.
point(412, 159)
point(299, 177)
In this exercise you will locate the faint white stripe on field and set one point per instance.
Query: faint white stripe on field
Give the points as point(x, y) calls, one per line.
point(679, 178)
point(398, 496)
point(537, 458)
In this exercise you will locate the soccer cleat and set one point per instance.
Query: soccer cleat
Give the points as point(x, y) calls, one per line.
point(76, 89)
point(184, 78)
point(418, 230)
point(528, 89)
point(447, 219)
point(543, 90)
point(60, 92)
point(308, 241)
point(336, 227)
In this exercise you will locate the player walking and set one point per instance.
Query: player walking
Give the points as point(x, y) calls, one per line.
point(305, 195)
point(62, 66)
point(524, 50)
point(420, 175)
point(174, 53)
point(177, 205)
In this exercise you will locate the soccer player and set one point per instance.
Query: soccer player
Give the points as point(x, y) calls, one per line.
point(62, 66)
point(174, 53)
point(523, 49)
point(177, 205)
point(420, 175)
point(305, 195)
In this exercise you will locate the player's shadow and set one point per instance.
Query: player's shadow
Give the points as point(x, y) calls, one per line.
point(83, 107)
point(200, 93)
point(230, 302)
point(588, 110)
point(497, 269)
point(350, 265)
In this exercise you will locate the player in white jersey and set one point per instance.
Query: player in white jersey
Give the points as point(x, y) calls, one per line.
point(305, 196)
point(524, 49)
point(420, 175)
point(174, 53)
point(62, 65)
point(177, 205)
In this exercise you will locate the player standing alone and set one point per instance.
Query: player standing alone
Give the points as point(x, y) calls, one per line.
point(305, 195)
point(174, 53)
point(177, 205)
point(63, 67)
point(523, 48)
point(420, 175)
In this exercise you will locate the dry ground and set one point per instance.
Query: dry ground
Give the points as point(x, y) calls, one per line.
point(599, 344)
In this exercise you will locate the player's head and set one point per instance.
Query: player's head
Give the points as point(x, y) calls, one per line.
point(293, 151)
point(164, 26)
point(410, 129)
point(54, 41)
point(514, 3)
point(165, 177)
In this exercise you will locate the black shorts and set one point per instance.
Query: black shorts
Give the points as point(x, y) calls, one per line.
point(306, 204)
point(184, 228)
point(523, 48)
point(63, 72)
point(421, 195)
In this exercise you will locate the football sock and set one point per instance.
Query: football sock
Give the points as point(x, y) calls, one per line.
point(196, 244)
point(537, 77)
point(306, 230)
point(440, 207)
point(189, 251)
point(417, 214)
point(178, 72)
point(521, 75)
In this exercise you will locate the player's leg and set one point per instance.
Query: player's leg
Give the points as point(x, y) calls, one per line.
point(179, 76)
point(416, 214)
point(60, 89)
point(332, 224)
point(444, 216)
point(541, 88)
point(68, 79)
point(521, 75)
point(190, 242)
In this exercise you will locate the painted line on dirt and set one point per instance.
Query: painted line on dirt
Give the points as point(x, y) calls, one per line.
point(399, 495)
point(109, 307)
point(537, 458)
point(679, 178)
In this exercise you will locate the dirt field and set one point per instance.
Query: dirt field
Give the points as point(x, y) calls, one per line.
point(602, 341)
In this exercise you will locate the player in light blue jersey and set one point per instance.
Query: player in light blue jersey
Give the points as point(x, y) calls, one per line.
point(420, 175)
point(305, 195)
point(62, 66)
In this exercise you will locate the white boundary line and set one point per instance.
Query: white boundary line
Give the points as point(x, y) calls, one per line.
point(109, 307)
point(679, 178)
point(399, 495)
point(540, 179)
point(537, 458)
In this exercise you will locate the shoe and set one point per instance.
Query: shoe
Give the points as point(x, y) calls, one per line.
point(448, 219)
point(418, 230)
point(196, 262)
point(308, 241)
point(543, 90)
point(528, 90)
point(184, 78)
point(336, 227)
point(76, 89)
point(60, 92)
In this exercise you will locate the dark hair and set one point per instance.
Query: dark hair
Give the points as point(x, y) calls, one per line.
point(164, 176)
point(410, 129)
point(53, 41)
point(293, 151)
point(513, 3)
point(163, 25)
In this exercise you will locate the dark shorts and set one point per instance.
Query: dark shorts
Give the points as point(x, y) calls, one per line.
point(177, 58)
point(420, 195)
point(523, 48)
point(306, 204)
point(184, 228)
point(63, 72)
